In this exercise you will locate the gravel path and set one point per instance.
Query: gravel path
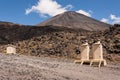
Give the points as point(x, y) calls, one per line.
point(14, 67)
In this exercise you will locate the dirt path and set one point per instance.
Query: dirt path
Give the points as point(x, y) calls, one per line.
point(13, 67)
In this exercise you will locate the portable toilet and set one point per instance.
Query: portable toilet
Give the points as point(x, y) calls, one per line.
point(11, 49)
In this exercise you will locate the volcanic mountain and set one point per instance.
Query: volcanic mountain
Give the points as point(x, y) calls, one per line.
point(75, 20)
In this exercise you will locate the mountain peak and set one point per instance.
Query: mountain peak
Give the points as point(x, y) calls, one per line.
point(70, 12)
point(75, 20)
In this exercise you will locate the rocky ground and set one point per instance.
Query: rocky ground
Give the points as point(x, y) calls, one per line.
point(20, 67)
point(60, 42)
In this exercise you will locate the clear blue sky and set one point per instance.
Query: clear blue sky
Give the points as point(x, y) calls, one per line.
point(16, 10)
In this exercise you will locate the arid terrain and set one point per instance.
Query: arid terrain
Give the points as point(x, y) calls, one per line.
point(57, 41)
point(20, 67)
point(47, 51)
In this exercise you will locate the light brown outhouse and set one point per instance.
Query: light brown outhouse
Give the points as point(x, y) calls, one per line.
point(84, 57)
point(97, 51)
point(11, 49)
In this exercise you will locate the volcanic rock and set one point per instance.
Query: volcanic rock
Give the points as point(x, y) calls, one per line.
point(57, 41)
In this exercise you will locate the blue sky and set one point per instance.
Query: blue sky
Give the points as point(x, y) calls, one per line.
point(31, 12)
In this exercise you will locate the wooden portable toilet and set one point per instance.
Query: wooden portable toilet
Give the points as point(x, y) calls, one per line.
point(97, 50)
point(84, 53)
point(11, 49)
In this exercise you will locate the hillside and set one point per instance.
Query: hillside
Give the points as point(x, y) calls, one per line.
point(10, 32)
point(57, 41)
point(75, 20)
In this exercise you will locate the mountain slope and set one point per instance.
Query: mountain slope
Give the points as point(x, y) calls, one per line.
point(11, 32)
point(56, 40)
point(75, 21)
